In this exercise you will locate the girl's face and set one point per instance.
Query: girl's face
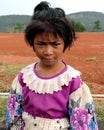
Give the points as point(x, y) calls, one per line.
point(48, 48)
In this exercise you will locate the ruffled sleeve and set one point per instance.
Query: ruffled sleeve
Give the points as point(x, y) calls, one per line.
point(14, 111)
point(81, 110)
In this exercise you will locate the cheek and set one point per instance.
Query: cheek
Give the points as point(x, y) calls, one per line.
point(59, 52)
point(38, 52)
point(35, 48)
point(62, 49)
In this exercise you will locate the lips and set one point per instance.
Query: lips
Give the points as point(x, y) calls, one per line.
point(48, 59)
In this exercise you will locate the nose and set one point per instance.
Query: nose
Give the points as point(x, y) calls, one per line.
point(48, 50)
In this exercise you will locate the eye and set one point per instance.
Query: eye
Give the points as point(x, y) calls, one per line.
point(40, 43)
point(55, 44)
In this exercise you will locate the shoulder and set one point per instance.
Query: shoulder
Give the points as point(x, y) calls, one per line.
point(26, 71)
point(28, 68)
point(17, 81)
point(73, 72)
point(76, 81)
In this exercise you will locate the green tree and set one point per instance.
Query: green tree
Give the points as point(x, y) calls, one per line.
point(97, 25)
point(19, 27)
point(78, 26)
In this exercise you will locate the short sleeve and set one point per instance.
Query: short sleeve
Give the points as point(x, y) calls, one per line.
point(81, 110)
point(14, 107)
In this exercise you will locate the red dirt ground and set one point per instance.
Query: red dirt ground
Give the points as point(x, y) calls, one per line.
point(86, 55)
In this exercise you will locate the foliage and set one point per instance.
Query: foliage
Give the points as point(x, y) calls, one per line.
point(87, 19)
point(19, 27)
point(3, 104)
point(78, 26)
point(92, 59)
point(99, 105)
point(8, 22)
point(97, 25)
point(7, 74)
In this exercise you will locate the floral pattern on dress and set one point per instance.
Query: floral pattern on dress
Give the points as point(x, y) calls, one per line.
point(14, 112)
point(83, 118)
point(79, 119)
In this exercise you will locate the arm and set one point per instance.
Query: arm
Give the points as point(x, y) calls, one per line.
point(81, 109)
point(14, 107)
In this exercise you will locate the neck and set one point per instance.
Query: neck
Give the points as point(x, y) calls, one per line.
point(47, 71)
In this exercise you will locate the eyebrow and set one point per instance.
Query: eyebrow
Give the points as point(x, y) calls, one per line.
point(49, 41)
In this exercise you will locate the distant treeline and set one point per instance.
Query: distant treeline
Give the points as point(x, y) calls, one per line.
point(82, 21)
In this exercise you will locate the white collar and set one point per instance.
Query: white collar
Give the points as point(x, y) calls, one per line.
point(49, 85)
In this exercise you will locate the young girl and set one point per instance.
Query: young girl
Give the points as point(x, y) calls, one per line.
point(49, 94)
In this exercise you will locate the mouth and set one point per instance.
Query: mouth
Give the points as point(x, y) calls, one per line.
point(48, 59)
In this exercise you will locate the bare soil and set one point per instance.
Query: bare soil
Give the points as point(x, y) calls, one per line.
point(86, 55)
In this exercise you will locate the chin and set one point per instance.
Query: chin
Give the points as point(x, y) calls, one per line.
point(48, 63)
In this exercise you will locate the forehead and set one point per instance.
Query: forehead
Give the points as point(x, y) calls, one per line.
point(46, 36)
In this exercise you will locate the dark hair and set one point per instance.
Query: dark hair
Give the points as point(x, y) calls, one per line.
point(51, 20)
